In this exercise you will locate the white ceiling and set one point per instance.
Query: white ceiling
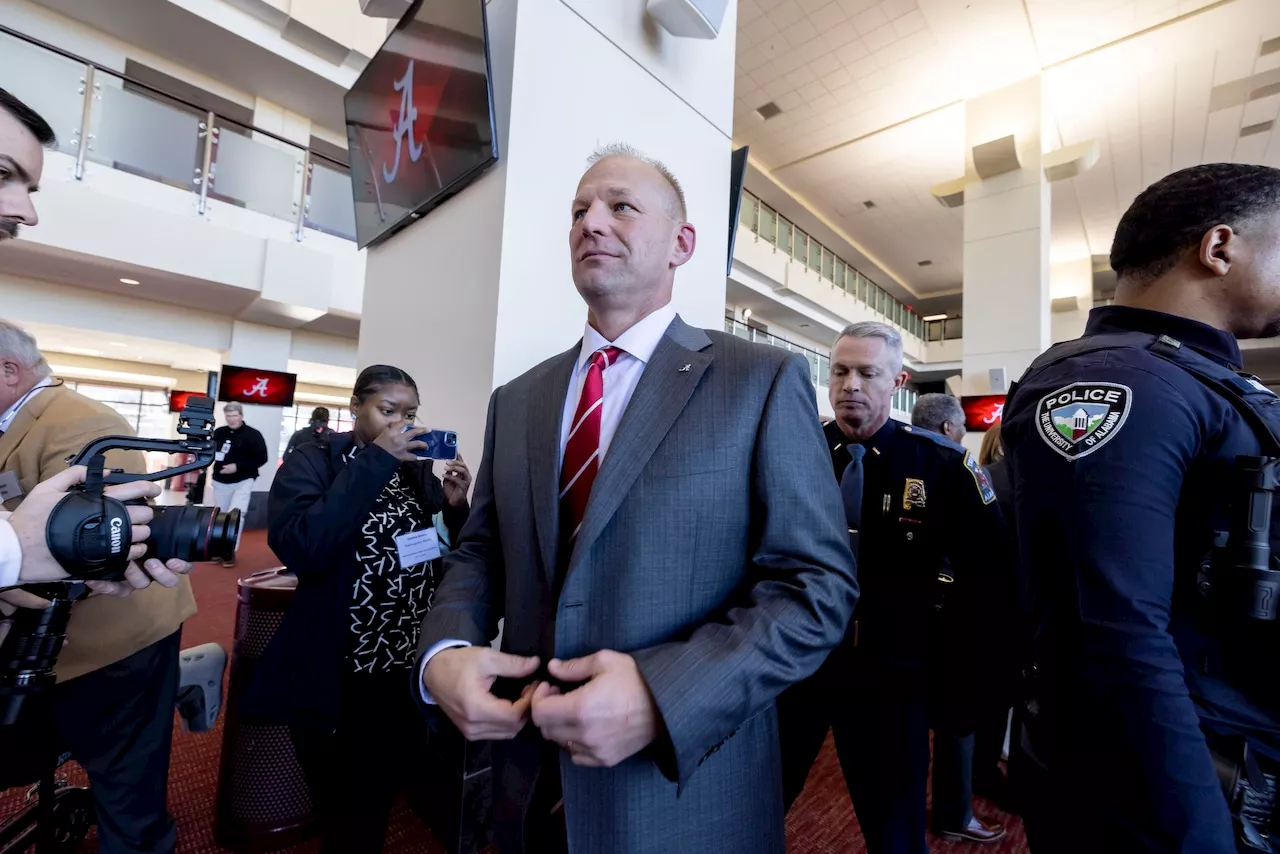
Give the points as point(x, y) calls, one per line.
point(873, 92)
point(125, 348)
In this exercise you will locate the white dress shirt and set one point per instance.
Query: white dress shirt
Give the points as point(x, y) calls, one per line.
point(10, 554)
point(11, 413)
point(10, 549)
point(620, 381)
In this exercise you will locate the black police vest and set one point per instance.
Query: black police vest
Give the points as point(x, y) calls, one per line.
point(1256, 404)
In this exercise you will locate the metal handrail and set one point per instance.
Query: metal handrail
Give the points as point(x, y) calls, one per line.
point(161, 92)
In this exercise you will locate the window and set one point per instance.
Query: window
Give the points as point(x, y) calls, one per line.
point(295, 418)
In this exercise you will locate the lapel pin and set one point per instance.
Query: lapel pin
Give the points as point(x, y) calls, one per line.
point(686, 368)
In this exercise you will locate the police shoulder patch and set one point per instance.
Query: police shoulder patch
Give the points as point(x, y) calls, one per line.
point(1080, 418)
point(980, 477)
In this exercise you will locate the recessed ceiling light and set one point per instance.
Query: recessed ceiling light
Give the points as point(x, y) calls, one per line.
point(804, 326)
point(130, 282)
point(925, 263)
point(868, 204)
point(768, 111)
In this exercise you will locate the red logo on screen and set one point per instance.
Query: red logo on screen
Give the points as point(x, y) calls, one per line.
point(251, 385)
point(178, 399)
point(982, 412)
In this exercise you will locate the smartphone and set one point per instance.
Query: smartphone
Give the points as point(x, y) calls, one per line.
point(440, 445)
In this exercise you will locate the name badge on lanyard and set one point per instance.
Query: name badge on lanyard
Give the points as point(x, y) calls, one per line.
point(418, 547)
point(9, 486)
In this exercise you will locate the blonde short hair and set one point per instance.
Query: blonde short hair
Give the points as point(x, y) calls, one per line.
point(622, 149)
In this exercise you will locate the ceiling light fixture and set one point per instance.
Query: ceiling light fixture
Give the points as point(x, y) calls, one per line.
point(924, 263)
point(934, 317)
point(130, 282)
point(746, 314)
point(868, 204)
point(117, 344)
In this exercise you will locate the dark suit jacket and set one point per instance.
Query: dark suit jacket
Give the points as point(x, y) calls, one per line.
point(317, 507)
point(713, 550)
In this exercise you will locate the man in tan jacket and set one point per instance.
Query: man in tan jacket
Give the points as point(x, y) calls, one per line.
point(118, 674)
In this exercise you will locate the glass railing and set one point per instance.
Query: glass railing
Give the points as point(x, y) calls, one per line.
point(944, 330)
point(787, 237)
point(819, 363)
point(135, 128)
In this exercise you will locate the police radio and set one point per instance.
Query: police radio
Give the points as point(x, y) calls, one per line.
point(1242, 576)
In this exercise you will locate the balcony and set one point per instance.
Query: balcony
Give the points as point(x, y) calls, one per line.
point(103, 118)
point(819, 363)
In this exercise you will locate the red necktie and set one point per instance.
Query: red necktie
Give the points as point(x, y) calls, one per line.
point(582, 452)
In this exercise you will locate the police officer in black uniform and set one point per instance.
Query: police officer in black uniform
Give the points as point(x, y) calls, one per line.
point(1140, 463)
point(928, 519)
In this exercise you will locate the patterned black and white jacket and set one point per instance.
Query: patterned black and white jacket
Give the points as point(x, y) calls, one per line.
point(322, 503)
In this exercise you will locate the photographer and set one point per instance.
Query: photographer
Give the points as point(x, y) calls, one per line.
point(25, 556)
point(347, 516)
point(118, 674)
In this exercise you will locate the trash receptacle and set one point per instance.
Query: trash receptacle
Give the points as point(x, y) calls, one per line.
point(263, 803)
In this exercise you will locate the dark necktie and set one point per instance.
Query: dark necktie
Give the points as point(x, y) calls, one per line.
point(851, 492)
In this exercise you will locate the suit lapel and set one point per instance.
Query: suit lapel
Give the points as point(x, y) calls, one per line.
point(23, 421)
point(546, 412)
point(665, 387)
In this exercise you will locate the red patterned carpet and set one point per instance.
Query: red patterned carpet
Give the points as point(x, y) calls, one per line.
point(822, 821)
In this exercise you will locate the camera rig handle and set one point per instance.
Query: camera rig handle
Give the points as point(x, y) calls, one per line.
point(196, 425)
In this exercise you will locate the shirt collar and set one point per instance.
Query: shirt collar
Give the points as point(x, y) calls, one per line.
point(1213, 342)
point(881, 437)
point(12, 412)
point(639, 341)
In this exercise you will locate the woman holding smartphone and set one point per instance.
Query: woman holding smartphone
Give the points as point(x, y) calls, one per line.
point(361, 520)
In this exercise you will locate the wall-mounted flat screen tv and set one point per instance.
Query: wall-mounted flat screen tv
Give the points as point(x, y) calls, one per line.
point(420, 122)
point(253, 385)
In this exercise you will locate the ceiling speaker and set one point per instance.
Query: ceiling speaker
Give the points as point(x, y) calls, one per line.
point(690, 19)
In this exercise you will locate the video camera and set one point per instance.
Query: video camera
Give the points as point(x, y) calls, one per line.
point(90, 535)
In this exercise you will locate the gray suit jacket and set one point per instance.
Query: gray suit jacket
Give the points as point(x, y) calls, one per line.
point(713, 550)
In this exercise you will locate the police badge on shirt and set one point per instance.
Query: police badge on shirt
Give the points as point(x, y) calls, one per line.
point(1080, 418)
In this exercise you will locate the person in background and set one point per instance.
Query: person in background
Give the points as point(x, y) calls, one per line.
point(989, 780)
point(927, 512)
point(361, 520)
point(316, 430)
point(241, 453)
point(941, 414)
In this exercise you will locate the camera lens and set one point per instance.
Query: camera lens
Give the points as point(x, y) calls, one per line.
point(194, 533)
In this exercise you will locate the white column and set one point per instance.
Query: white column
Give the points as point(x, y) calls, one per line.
point(1006, 242)
point(480, 290)
point(1071, 280)
point(266, 347)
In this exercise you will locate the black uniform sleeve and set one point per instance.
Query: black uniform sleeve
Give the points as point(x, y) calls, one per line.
point(312, 522)
point(1098, 531)
point(982, 618)
point(256, 452)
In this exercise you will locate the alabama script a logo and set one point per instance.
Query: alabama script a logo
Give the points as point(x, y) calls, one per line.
point(404, 125)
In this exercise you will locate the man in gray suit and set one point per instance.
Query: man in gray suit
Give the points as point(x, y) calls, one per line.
point(656, 520)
